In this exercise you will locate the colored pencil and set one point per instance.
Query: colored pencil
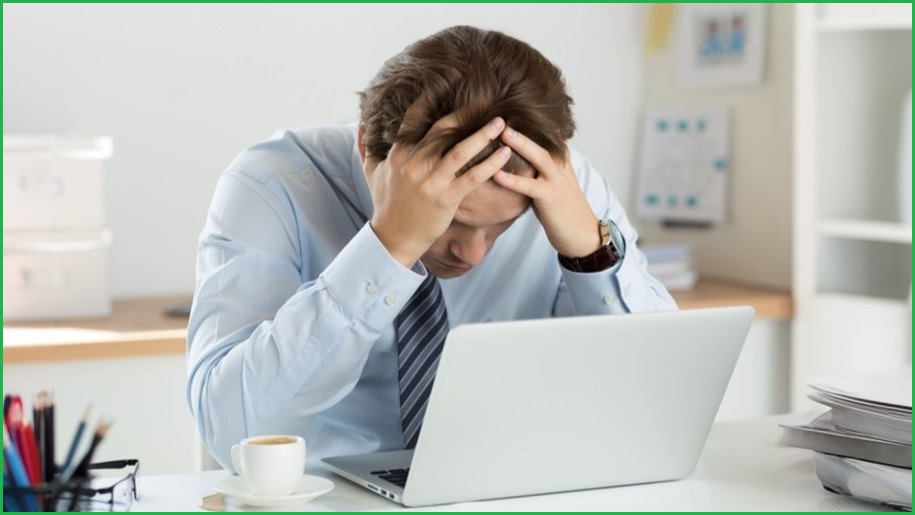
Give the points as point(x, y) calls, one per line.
point(82, 470)
point(10, 503)
point(50, 465)
point(29, 453)
point(17, 470)
point(70, 461)
point(100, 431)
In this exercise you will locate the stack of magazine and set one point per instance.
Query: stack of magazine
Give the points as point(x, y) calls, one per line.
point(671, 264)
point(863, 443)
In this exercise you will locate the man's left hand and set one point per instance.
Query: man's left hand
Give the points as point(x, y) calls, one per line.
point(558, 201)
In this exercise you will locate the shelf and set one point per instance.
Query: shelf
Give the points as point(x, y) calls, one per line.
point(853, 24)
point(863, 16)
point(712, 293)
point(880, 269)
point(860, 301)
point(856, 128)
point(852, 256)
point(860, 334)
point(138, 327)
point(866, 230)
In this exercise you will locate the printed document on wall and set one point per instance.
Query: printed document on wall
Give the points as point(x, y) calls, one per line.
point(684, 165)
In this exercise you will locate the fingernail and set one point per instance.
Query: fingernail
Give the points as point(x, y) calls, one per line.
point(504, 152)
point(510, 133)
point(497, 123)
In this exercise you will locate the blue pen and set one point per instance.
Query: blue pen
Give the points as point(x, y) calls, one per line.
point(9, 501)
point(17, 470)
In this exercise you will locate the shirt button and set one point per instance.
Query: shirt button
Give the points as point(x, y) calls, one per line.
point(390, 299)
point(609, 299)
point(372, 288)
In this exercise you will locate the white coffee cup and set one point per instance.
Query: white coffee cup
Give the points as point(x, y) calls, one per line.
point(272, 465)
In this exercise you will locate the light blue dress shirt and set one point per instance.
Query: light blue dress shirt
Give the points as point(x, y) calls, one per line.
point(291, 329)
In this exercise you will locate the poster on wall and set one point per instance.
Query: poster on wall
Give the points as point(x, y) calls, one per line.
point(684, 164)
point(720, 44)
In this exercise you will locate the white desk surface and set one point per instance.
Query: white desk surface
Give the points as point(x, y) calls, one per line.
point(741, 469)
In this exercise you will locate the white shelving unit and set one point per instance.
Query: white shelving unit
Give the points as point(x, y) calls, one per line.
point(852, 262)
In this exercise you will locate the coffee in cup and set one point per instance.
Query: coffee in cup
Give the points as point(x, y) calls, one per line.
point(272, 465)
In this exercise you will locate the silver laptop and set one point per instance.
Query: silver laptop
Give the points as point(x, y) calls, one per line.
point(538, 406)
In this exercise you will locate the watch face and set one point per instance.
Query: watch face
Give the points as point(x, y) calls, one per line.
point(617, 238)
point(605, 232)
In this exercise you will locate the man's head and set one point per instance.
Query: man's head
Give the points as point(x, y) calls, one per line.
point(477, 75)
point(480, 75)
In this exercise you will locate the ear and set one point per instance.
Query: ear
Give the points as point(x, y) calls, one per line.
point(360, 134)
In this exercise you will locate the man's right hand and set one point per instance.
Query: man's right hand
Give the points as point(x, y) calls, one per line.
point(416, 194)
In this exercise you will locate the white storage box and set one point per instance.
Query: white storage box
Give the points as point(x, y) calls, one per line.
point(56, 275)
point(54, 182)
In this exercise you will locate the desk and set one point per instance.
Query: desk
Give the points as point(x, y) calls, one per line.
point(741, 469)
point(138, 327)
point(142, 351)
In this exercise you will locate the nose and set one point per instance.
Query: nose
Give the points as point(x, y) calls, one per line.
point(470, 247)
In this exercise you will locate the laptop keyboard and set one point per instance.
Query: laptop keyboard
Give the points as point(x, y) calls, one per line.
point(394, 476)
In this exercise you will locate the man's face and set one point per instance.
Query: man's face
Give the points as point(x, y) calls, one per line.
point(483, 216)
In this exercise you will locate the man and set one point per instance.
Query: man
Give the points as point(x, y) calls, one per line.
point(328, 251)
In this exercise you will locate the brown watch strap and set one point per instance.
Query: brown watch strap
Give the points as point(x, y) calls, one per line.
point(599, 260)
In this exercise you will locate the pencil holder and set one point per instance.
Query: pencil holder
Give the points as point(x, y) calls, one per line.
point(86, 493)
point(54, 496)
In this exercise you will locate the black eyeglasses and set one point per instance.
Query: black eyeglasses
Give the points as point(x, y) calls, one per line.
point(123, 491)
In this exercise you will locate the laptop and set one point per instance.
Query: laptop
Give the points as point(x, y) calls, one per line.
point(538, 406)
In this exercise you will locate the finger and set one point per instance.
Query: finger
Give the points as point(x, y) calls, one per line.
point(536, 155)
point(371, 164)
point(481, 173)
point(527, 186)
point(469, 147)
point(415, 116)
point(398, 154)
point(449, 121)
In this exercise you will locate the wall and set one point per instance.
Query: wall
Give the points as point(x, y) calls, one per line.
point(143, 396)
point(183, 88)
point(754, 246)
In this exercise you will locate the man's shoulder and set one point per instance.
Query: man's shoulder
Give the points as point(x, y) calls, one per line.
point(322, 140)
point(326, 149)
point(581, 164)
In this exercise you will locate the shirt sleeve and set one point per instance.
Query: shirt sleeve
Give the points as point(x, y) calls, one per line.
point(266, 350)
point(626, 287)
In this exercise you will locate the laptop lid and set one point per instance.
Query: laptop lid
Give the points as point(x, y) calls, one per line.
point(538, 406)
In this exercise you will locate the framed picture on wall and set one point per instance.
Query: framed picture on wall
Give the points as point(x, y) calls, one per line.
point(720, 44)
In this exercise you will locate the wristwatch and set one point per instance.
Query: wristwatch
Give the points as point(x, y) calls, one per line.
point(611, 251)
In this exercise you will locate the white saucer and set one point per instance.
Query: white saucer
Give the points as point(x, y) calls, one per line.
point(309, 488)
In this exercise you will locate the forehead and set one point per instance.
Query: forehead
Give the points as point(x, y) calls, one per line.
point(490, 204)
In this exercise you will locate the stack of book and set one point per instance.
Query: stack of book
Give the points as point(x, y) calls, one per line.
point(863, 443)
point(671, 264)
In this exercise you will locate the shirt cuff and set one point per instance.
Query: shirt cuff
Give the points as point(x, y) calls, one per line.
point(594, 293)
point(368, 283)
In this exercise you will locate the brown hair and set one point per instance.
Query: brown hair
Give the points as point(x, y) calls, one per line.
point(479, 75)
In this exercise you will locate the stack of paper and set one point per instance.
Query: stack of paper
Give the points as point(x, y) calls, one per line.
point(863, 443)
point(671, 264)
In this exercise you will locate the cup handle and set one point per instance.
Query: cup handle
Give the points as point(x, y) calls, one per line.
point(236, 458)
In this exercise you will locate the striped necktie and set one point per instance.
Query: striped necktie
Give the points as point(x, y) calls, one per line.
point(421, 329)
